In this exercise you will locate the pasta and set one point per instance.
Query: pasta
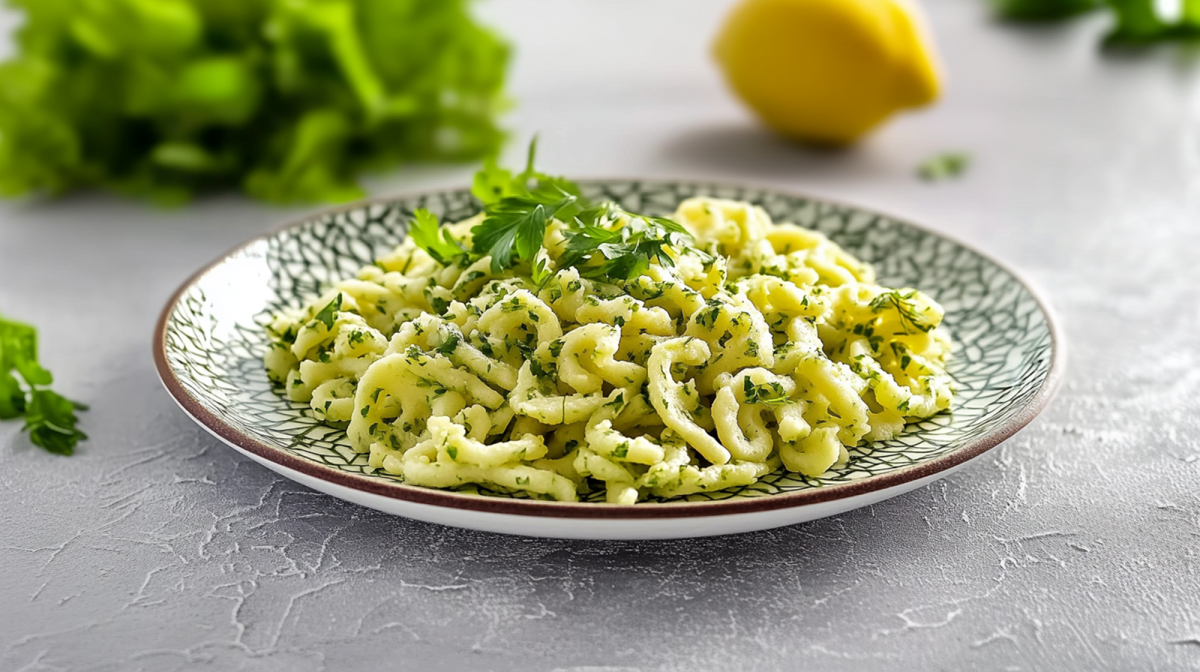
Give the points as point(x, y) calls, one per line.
point(769, 348)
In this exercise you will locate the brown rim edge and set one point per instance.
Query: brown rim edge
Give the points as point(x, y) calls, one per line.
point(525, 507)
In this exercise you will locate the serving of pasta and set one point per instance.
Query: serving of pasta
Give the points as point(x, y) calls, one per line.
point(713, 348)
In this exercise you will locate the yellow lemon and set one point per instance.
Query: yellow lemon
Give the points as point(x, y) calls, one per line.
point(828, 71)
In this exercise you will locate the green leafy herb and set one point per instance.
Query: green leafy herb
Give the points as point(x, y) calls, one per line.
point(540, 273)
point(944, 166)
point(288, 101)
point(1136, 22)
point(902, 303)
point(328, 314)
point(428, 236)
point(623, 252)
point(769, 394)
point(449, 345)
point(49, 417)
point(1042, 10)
point(603, 241)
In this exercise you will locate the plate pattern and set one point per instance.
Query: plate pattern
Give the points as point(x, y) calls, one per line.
point(214, 337)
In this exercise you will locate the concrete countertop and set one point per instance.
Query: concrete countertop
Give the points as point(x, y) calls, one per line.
point(1073, 546)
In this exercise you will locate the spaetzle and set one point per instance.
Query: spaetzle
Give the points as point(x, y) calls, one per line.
point(765, 346)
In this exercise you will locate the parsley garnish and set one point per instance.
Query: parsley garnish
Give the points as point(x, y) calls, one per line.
point(517, 210)
point(519, 222)
point(329, 313)
point(769, 394)
point(603, 241)
point(519, 207)
point(49, 417)
point(541, 273)
point(909, 317)
point(623, 253)
point(449, 345)
point(425, 232)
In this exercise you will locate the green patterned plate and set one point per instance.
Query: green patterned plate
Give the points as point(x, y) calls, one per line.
point(210, 341)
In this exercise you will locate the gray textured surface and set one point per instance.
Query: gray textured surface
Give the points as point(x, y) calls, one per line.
point(1074, 546)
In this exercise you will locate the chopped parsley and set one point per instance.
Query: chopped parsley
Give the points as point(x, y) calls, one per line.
point(328, 314)
point(944, 166)
point(902, 302)
point(768, 394)
point(449, 345)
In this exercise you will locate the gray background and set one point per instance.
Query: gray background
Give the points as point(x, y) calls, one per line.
point(1074, 545)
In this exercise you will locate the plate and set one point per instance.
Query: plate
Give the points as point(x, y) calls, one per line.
point(1008, 359)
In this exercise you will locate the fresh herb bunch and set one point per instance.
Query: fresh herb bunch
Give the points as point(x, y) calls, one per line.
point(49, 417)
point(288, 100)
point(1136, 21)
point(604, 242)
point(1042, 10)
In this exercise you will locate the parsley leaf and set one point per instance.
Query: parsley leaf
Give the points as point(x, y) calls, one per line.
point(769, 394)
point(603, 241)
point(425, 232)
point(449, 345)
point(517, 222)
point(518, 210)
point(944, 166)
point(540, 272)
point(1042, 10)
point(328, 314)
point(624, 252)
point(491, 182)
point(903, 305)
point(49, 418)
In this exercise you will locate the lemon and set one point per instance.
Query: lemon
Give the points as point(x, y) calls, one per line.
point(828, 71)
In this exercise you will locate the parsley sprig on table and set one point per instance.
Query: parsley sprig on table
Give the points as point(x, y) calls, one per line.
point(49, 417)
point(603, 241)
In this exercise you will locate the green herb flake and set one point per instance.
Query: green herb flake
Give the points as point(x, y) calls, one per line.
point(449, 345)
point(943, 167)
point(328, 314)
point(769, 394)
